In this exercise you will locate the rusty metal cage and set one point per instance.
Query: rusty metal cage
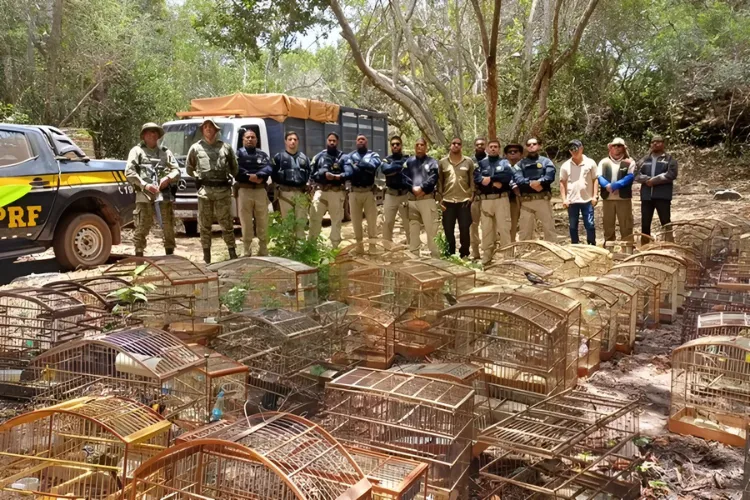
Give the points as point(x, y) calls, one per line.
point(85, 448)
point(415, 417)
point(667, 277)
point(280, 347)
point(711, 389)
point(573, 445)
point(226, 380)
point(564, 263)
point(183, 290)
point(699, 302)
point(145, 364)
point(392, 478)
point(271, 282)
point(523, 345)
point(724, 324)
point(212, 469)
point(515, 271)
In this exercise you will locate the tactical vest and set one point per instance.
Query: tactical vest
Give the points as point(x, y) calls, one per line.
point(152, 169)
point(333, 165)
point(213, 161)
point(250, 163)
point(532, 170)
point(293, 171)
point(498, 171)
point(624, 192)
point(361, 177)
point(393, 169)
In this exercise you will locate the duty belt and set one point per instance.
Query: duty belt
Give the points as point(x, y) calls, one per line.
point(251, 185)
point(491, 196)
point(358, 189)
point(430, 196)
point(215, 183)
point(536, 196)
point(329, 187)
point(396, 192)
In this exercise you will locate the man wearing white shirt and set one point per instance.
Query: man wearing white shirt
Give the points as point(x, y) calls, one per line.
point(579, 191)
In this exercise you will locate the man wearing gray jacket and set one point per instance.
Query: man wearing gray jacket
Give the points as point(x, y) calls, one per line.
point(656, 172)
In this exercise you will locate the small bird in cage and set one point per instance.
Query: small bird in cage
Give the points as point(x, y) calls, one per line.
point(534, 279)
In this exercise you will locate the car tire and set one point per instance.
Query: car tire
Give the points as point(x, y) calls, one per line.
point(82, 241)
point(191, 227)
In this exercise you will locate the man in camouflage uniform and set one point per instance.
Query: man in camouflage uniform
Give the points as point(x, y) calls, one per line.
point(152, 170)
point(213, 164)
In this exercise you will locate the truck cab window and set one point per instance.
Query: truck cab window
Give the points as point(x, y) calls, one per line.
point(14, 148)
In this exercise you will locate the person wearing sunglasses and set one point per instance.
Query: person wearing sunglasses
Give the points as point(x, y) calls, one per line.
point(421, 176)
point(657, 172)
point(579, 191)
point(615, 174)
point(455, 190)
point(534, 177)
point(480, 145)
point(513, 153)
point(396, 192)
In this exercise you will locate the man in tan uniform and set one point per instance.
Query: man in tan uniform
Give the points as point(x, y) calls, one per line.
point(213, 164)
point(364, 165)
point(421, 176)
point(152, 170)
point(513, 153)
point(455, 191)
point(534, 177)
point(396, 193)
point(252, 197)
point(291, 173)
point(329, 173)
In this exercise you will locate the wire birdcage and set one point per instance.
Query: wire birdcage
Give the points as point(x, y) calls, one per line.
point(723, 324)
point(85, 448)
point(456, 373)
point(484, 278)
point(280, 347)
point(562, 261)
point(145, 364)
point(226, 379)
point(212, 469)
point(667, 277)
point(271, 282)
point(82, 293)
point(515, 271)
point(699, 302)
point(693, 234)
point(571, 446)
point(415, 417)
point(598, 260)
point(711, 389)
point(734, 278)
point(392, 478)
point(184, 290)
point(690, 271)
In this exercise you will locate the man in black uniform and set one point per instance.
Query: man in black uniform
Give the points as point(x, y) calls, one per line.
point(329, 174)
point(291, 173)
point(421, 176)
point(252, 197)
point(476, 205)
point(396, 192)
point(534, 176)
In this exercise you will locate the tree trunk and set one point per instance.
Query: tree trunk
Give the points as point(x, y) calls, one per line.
point(489, 49)
point(53, 55)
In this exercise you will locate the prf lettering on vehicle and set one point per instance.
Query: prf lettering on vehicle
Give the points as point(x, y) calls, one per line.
point(20, 216)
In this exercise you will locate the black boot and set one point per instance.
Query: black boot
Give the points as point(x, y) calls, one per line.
point(207, 255)
point(232, 253)
point(139, 253)
point(170, 251)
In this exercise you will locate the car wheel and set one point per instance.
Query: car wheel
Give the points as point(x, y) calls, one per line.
point(191, 227)
point(82, 240)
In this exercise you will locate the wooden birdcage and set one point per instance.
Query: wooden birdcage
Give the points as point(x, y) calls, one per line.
point(693, 234)
point(369, 339)
point(392, 478)
point(598, 259)
point(33, 320)
point(185, 291)
point(564, 263)
point(484, 278)
point(145, 364)
point(226, 380)
point(212, 469)
point(734, 278)
point(725, 242)
point(82, 449)
point(690, 271)
point(723, 324)
point(456, 373)
point(405, 415)
point(571, 446)
point(699, 302)
point(711, 389)
point(668, 279)
point(623, 314)
point(521, 271)
point(279, 347)
point(271, 282)
point(83, 293)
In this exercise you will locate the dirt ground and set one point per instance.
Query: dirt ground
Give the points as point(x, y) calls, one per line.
point(678, 467)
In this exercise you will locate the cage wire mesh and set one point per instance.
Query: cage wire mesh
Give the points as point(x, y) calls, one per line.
point(519, 271)
point(369, 339)
point(148, 365)
point(723, 324)
point(226, 381)
point(689, 270)
point(572, 445)
point(703, 301)
point(270, 282)
point(693, 234)
point(82, 448)
point(392, 478)
point(564, 263)
point(408, 416)
point(711, 389)
point(184, 291)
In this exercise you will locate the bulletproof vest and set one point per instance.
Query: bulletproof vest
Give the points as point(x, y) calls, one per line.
point(294, 170)
point(395, 181)
point(624, 192)
point(495, 168)
point(153, 170)
point(250, 163)
point(362, 177)
point(532, 169)
point(333, 164)
point(213, 161)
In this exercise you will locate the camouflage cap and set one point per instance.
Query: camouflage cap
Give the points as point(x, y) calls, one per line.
point(212, 122)
point(152, 126)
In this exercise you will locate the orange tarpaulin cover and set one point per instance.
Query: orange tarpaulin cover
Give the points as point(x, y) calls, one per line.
point(276, 106)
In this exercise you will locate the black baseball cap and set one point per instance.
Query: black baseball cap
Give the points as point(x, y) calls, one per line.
point(512, 146)
point(575, 145)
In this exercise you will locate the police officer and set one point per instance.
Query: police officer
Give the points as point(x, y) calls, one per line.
point(291, 173)
point(213, 164)
point(396, 192)
point(476, 204)
point(513, 153)
point(421, 177)
point(534, 178)
point(329, 173)
point(364, 166)
point(252, 197)
point(492, 180)
point(152, 170)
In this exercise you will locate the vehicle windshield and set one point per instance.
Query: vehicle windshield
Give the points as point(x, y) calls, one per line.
point(178, 137)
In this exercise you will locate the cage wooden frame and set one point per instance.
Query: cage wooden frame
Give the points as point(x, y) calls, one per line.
point(185, 290)
point(668, 279)
point(582, 435)
point(565, 263)
point(142, 363)
point(84, 447)
point(598, 259)
point(690, 271)
point(711, 389)
point(734, 278)
point(223, 374)
point(485, 278)
point(716, 324)
point(271, 282)
point(703, 301)
point(406, 415)
point(211, 469)
point(392, 478)
point(369, 339)
point(513, 271)
point(693, 234)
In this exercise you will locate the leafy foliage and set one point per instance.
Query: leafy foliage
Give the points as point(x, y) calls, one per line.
point(234, 299)
point(442, 244)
